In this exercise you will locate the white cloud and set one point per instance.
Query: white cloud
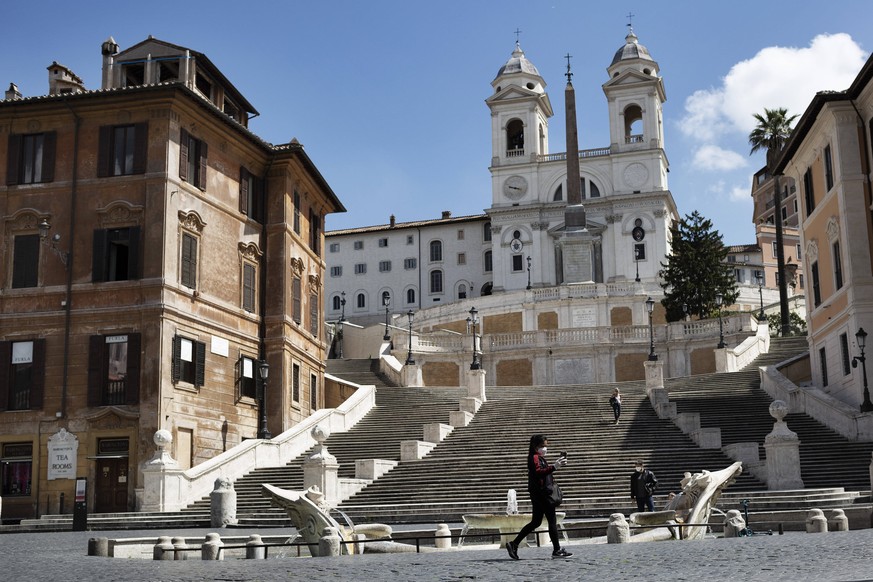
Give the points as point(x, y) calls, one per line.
point(740, 194)
point(712, 157)
point(775, 77)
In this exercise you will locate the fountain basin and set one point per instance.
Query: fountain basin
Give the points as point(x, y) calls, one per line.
point(509, 526)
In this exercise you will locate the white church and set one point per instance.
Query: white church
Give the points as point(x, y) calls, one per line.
point(558, 268)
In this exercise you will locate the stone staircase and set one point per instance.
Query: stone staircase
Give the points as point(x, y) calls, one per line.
point(472, 469)
point(736, 404)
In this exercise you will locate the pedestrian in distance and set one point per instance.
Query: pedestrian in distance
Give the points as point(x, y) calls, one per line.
point(615, 402)
point(540, 485)
point(642, 485)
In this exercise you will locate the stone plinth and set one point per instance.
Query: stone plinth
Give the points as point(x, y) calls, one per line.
point(320, 469)
point(576, 252)
point(222, 503)
point(372, 469)
point(783, 452)
point(470, 404)
point(654, 375)
point(414, 450)
point(411, 375)
point(460, 418)
point(435, 432)
point(476, 384)
point(707, 438)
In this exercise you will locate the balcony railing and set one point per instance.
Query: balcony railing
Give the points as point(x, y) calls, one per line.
point(633, 139)
point(561, 157)
point(516, 153)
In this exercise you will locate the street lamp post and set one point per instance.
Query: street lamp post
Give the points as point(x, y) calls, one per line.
point(343, 306)
point(339, 338)
point(263, 371)
point(718, 301)
point(650, 307)
point(386, 301)
point(473, 321)
point(760, 278)
point(637, 263)
point(861, 336)
point(528, 273)
point(409, 360)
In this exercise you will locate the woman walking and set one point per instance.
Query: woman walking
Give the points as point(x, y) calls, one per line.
point(615, 402)
point(540, 485)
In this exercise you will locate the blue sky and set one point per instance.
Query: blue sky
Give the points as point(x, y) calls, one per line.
point(388, 97)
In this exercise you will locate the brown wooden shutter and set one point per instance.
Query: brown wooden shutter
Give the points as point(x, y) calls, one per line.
point(248, 287)
point(5, 363)
point(98, 255)
point(177, 358)
point(96, 370)
point(296, 300)
point(49, 145)
point(37, 378)
point(25, 259)
point(104, 152)
point(140, 147)
point(244, 191)
point(199, 364)
point(131, 381)
point(183, 155)
point(133, 252)
point(202, 178)
point(12, 159)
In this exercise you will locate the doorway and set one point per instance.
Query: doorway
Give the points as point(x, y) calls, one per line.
point(110, 494)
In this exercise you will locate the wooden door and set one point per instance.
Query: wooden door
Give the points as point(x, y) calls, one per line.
point(110, 494)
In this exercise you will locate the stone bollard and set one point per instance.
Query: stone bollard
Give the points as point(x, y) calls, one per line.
point(211, 548)
point(98, 547)
point(179, 543)
point(839, 519)
point(816, 522)
point(329, 543)
point(255, 549)
point(618, 531)
point(163, 550)
point(360, 545)
point(733, 523)
point(222, 503)
point(443, 543)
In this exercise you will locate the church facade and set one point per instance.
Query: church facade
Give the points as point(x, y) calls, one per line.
point(623, 186)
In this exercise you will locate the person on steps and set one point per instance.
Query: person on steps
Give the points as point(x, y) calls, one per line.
point(615, 402)
point(643, 484)
point(539, 485)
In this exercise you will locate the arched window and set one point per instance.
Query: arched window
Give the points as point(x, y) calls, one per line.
point(559, 193)
point(488, 264)
point(386, 298)
point(436, 251)
point(335, 302)
point(593, 190)
point(361, 301)
point(436, 281)
point(486, 232)
point(542, 139)
point(515, 137)
point(462, 291)
point(410, 296)
point(633, 124)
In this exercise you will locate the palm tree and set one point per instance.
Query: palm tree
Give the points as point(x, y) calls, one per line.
point(770, 134)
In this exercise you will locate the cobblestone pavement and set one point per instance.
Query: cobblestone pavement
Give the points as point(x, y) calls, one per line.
point(834, 556)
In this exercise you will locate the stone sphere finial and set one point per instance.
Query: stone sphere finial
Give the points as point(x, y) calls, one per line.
point(319, 434)
point(778, 410)
point(163, 438)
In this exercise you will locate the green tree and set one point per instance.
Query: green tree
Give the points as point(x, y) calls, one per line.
point(696, 271)
point(770, 134)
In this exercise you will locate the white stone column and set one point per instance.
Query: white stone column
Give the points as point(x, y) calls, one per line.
point(783, 452)
point(476, 384)
point(320, 469)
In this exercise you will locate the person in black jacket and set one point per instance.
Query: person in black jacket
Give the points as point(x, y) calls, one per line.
point(642, 485)
point(539, 485)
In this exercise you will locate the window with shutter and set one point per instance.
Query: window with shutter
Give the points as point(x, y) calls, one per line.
point(189, 361)
point(189, 261)
point(115, 254)
point(192, 160)
point(296, 299)
point(122, 150)
point(25, 261)
point(30, 158)
point(22, 374)
point(113, 369)
point(246, 378)
point(313, 314)
point(296, 212)
point(313, 392)
point(295, 382)
point(249, 287)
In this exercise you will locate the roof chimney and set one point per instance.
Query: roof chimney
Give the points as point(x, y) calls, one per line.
point(447, 213)
point(393, 221)
point(12, 92)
